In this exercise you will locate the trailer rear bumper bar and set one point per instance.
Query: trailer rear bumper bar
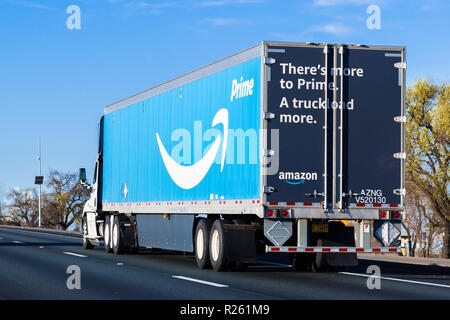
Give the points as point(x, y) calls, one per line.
point(333, 249)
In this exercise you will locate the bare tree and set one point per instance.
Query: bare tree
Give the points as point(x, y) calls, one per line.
point(23, 207)
point(434, 229)
point(421, 223)
point(65, 199)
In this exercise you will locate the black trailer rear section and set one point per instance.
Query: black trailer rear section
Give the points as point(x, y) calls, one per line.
point(339, 113)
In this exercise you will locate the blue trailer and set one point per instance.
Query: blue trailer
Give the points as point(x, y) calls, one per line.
point(283, 147)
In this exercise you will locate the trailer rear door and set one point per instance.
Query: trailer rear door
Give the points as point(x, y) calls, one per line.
point(334, 117)
point(370, 144)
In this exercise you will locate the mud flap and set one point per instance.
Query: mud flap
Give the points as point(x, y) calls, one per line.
point(128, 236)
point(240, 243)
point(338, 236)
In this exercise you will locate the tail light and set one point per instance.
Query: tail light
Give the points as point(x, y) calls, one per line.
point(396, 215)
point(383, 214)
point(270, 213)
point(284, 213)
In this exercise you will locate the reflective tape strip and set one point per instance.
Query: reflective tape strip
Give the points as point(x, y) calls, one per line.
point(292, 204)
point(373, 205)
point(331, 249)
point(184, 203)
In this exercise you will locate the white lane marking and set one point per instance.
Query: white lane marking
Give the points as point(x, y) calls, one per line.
point(120, 263)
point(202, 281)
point(396, 279)
point(1, 238)
point(19, 242)
point(75, 254)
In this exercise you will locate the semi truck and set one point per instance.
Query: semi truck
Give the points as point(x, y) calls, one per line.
point(284, 148)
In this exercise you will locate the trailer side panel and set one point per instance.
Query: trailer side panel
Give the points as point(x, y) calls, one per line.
point(197, 142)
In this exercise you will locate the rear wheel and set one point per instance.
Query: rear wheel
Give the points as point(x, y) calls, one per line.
point(217, 247)
point(86, 242)
point(202, 235)
point(319, 261)
point(116, 236)
point(301, 261)
point(107, 234)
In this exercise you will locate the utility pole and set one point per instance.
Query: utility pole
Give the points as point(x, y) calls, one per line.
point(39, 179)
point(40, 185)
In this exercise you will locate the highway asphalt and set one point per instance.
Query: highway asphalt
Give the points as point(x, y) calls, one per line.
point(33, 265)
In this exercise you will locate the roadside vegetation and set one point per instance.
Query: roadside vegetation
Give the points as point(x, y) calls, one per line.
point(62, 204)
point(427, 167)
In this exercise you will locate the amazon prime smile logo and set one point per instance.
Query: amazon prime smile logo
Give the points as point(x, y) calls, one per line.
point(190, 160)
point(187, 177)
point(295, 182)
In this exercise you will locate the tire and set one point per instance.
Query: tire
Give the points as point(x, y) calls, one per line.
point(86, 243)
point(107, 234)
point(201, 241)
point(116, 237)
point(301, 261)
point(217, 247)
point(319, 260)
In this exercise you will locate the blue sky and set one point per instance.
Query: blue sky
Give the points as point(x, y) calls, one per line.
point(55, 82)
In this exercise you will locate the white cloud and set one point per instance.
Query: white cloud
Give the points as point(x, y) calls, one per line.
point(133, 8)
point(224, 21)
point(332, 28)
point(328, 3)
point(147, 5)
point(219, 3)
point(28, 4)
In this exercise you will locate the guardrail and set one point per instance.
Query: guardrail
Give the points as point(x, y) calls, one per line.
point(45, 230)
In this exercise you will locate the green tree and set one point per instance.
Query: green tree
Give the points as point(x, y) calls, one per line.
point(427, 147)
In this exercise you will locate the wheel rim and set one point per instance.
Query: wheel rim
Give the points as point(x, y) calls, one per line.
point(199, 245)
point(215, 245)
point(84, 228)
point(106, 233)
point(114, 235)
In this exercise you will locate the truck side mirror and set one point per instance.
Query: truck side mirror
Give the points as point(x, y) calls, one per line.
point(83, 175)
